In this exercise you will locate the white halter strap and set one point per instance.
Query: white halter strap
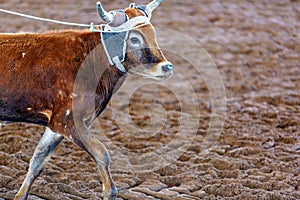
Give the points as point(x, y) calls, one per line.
point(129, 25)
point(114, 40)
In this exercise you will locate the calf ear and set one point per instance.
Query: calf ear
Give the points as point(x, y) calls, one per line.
point(120, 18)
point(145, 10)
point(132, 5)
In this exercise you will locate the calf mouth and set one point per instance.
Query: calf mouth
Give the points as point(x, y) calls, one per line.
point(163, 77)
point(154, 71)
point(158, 77)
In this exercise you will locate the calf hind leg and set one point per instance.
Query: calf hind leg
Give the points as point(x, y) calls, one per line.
point(41, 156)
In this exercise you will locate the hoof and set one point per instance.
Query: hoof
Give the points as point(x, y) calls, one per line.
point(111, 194)
point(20, 197)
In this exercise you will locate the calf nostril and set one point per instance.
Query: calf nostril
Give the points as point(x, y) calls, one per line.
point(167, 67)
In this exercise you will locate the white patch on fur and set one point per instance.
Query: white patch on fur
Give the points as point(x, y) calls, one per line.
point(68, 112)
point(23, 55)
point(50, 133)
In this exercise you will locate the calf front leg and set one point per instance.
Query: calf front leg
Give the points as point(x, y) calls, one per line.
point(41, 156)
point(99, 153)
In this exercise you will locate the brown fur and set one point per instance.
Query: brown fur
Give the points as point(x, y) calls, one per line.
point(37, 73)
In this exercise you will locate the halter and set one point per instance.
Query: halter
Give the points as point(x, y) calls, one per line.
point(115, 34)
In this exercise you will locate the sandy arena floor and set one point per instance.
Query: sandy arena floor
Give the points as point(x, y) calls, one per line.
point(255, 46)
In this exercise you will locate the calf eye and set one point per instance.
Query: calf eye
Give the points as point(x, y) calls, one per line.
point(135, 41)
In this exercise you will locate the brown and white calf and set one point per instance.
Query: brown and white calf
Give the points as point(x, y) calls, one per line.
point(37, 80)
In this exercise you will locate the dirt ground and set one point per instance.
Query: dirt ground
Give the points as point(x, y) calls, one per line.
point(255, 45)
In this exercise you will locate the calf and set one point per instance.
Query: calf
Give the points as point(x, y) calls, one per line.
point(40, 81)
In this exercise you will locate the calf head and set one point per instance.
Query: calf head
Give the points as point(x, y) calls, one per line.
point(130, 38)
